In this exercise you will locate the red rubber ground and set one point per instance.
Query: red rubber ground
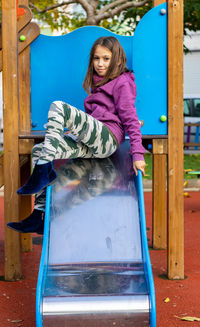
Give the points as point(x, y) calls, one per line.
point(17, 299)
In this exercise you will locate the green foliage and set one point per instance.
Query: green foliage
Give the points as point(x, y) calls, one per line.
point(123, 23)
point(55, 18)
point(192, 15)
point(134, 15)
point(121, 28)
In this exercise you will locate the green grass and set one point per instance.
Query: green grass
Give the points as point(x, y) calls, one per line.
point(191, 161)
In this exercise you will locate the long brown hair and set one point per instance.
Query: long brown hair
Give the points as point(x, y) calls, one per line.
point(117, 65)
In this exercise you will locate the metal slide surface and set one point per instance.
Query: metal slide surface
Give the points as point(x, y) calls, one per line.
point(95, 269)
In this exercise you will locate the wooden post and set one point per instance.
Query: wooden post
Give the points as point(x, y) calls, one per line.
point(11, 152)
point(175, 141)
point(25, 208)
point(24, 126)
point(159, 200)
point(159, 203)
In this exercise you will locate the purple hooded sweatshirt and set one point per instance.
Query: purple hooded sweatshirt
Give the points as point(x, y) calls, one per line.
point(114, 105)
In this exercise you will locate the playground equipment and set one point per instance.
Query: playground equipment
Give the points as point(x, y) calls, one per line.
point(196, 143)
point(95, 263)
point(193, 172)
point(167, 143)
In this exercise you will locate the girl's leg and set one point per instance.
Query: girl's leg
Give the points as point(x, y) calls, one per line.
point(94, 140)
point(40, 197)
point(34, 223)
point(88, 130)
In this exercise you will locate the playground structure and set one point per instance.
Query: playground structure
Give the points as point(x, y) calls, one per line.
point(196, 143)
point(19, 139)
point(95, 209)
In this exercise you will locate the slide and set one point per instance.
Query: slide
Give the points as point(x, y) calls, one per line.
point(95, 268)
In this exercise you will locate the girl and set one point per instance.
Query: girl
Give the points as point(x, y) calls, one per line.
point(109, 113)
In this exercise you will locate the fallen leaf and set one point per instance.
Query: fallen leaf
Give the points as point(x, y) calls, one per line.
point(188, 318)
point(186, 194)
point(167, 300)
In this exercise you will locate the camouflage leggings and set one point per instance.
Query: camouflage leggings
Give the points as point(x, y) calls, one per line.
point(93, 138)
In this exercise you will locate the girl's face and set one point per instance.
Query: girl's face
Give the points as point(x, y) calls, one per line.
point(101, 60)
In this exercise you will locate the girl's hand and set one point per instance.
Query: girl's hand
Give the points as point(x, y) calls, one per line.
point(140, 164)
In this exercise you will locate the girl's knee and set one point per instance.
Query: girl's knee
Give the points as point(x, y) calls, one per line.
point(58, 108)
point(55, 111)
point(36, 150)
point(54, 105)
point(58, 105)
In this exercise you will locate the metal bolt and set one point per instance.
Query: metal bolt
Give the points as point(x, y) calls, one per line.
point(163, 11)
point(34, 124)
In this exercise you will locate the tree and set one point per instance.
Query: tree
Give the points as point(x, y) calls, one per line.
point(191, 14)
point(108, 13)
point(89, 12)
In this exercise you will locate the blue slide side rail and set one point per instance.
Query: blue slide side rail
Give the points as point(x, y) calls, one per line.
point(145, 249)
point(43, 261)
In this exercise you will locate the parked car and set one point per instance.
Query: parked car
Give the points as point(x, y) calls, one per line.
point(191, 109)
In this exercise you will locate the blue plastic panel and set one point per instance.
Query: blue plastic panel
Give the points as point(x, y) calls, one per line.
point(58, 68)
point(59, 64)
point(150, 67)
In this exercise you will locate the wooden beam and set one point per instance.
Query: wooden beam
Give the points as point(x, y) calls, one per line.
point(25, 202)
point(25, 207)
point(192, 124)
point(21, 23)
point(1, 170)
point(11, 153)
point(22, 161)
point(158, 2)
point(24, 92)
point(192, 144)
point(25, 19)
point(175, 140)
point(31, 32)
point(25, 146)
point(160, 146)
point(159, 200)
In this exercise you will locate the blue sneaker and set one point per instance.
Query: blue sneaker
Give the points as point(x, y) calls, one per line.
point(32, 224)
point(42, 176)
